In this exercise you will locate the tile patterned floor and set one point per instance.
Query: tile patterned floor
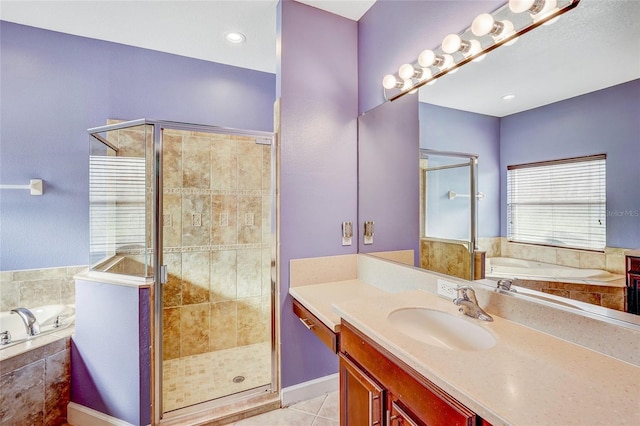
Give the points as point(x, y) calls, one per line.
point(321, 411)
point(198, 378)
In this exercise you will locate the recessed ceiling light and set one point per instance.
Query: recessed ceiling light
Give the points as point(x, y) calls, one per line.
point(234, 37)
point(508, 97)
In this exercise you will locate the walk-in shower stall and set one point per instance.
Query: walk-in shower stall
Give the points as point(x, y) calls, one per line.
point(448, 212)
point(192, 209)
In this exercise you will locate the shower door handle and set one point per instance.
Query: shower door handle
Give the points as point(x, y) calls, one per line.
point(163, 274)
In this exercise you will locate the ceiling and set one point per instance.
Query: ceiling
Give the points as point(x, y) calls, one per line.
point(194, 29)
point(594, 46)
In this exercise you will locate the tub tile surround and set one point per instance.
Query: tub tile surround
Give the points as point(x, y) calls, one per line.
point(602, 338)
point(31, 288)
point(34, 386)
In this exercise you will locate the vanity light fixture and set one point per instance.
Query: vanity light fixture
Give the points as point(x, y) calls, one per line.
point(235, 37)
point(487, 32)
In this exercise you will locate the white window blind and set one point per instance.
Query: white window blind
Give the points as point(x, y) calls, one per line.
point(558, 203)
point(116, 205)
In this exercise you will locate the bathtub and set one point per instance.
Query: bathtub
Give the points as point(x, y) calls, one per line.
point(52, 318)
point(506, 267)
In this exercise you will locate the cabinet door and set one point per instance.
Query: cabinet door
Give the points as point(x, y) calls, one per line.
point(361, 399)
point(398, 416)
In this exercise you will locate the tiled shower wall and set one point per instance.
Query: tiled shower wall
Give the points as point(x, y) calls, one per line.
point(217, 242)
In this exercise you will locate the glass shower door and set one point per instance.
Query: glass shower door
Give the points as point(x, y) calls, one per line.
point(218, 248)
point(448, 212)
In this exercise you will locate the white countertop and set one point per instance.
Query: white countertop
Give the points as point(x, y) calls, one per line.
point(527, 378)
point(319, 298)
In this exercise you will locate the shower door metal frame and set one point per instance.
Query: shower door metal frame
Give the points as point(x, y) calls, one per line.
point(473, 189)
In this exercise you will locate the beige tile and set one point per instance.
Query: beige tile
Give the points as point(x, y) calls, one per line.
point(223, 326)
point(249, 273)
point(224, 165)
point(266, 272)
point(131, 142)
point(615, 263)
point(249, 165)
point(40, 293)
point(253, 324)
point(224, 223)
point(68, 292)
point(172, 220)
point(171, 160)
point(282, 417)
point(195, 277)
point(39, 274)
point(546, 254)
point(321, 421)
point(267, 235)
point(223, 275)
point(568, 258)
point(589, 260)
point(172, 290)
point(194, 330)
point(9, 295)
point(196, 219)
point(249, 220)
point(331, 407)
point(196, 157)
point(310, 406)
point(170, 333)
point(266, 167)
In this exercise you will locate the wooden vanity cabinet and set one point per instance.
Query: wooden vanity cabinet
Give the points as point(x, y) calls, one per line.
point(371, 377)
point(317, 327)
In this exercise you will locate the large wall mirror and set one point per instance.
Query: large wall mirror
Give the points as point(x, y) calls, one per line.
point(577, 93)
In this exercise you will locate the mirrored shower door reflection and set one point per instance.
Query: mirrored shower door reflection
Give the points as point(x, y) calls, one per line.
point(448, 212)
point(218, 247)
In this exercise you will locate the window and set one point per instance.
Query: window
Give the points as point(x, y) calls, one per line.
point(559, 203)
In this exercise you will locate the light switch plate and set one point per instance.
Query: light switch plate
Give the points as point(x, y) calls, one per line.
point(447, 289)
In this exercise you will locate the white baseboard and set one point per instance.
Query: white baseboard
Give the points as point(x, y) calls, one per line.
point(308, 390)
point(79, 415)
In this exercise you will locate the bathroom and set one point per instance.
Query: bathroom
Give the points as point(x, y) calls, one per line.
point(66, 84)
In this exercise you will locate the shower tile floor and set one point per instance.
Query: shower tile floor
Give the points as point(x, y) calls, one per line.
point(198, 378)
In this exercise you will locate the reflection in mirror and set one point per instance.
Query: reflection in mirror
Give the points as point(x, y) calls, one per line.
point(576, 85)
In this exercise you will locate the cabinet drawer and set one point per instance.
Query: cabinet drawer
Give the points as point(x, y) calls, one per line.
point(426, 401)
point(318, 328)
point(633, 264)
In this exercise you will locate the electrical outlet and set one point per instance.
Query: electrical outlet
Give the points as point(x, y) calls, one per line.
point(447, 289)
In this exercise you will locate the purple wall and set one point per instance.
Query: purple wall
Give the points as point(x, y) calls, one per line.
point(392, 33)
point(448, 129)
point(110, 358)
point(318, 142)
point(388, 186)
point(55, 86)
point(605, 121)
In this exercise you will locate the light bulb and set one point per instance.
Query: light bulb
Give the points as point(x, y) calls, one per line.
point(426, 58)
point(519, 6)
point(482, 25)
point(426, 74)
point(408, 71)
point(451, 43)
point(389, 82)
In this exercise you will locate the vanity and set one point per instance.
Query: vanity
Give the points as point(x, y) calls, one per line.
point(400, 364)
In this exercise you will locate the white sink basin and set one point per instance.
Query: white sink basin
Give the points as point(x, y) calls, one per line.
point(441, 329)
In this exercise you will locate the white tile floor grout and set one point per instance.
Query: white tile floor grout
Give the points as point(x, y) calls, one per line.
point(321, 411)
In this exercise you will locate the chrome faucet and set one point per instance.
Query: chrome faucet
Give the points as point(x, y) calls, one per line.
point(506, 285)
point(30, 321)
point(469, 304)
